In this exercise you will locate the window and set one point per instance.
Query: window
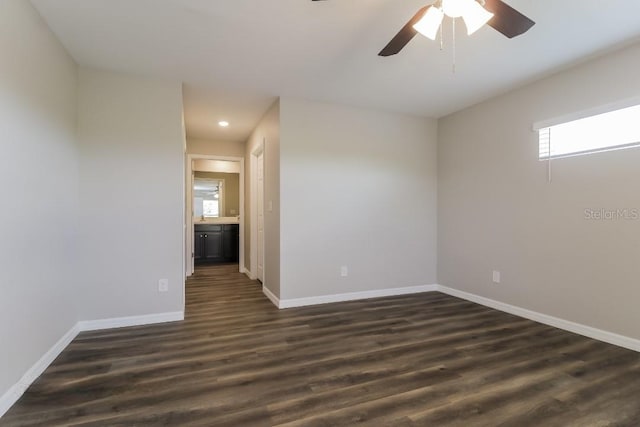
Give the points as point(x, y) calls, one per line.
point(208, 198)
point(211, 208)
point(612, 130)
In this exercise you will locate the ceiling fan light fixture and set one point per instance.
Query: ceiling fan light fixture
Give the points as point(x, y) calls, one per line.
point(456, 8)
point(428, 20)
point(475, 17)
point(429, 24)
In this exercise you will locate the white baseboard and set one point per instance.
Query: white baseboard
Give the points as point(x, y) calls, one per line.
point(249, 274)
point(8, 399)
point(352, 296)
point(13, 394)
point(121, 322)
point(274, 299)
point(587, 331)
point(577, 328)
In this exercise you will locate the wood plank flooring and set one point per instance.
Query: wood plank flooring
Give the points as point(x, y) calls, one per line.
point(416, 360)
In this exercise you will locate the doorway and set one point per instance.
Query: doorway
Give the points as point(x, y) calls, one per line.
point(260, 213)
point(257, 214)
point(226, 215)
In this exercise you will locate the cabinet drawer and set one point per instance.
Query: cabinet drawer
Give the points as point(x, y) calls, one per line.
point(207, 227)
point(231, 227)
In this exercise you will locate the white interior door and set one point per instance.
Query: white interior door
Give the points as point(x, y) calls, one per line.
point(188, 218)
point(190, 222)
point(260, 211)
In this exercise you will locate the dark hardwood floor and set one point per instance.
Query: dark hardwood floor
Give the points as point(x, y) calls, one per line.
point(417, 360)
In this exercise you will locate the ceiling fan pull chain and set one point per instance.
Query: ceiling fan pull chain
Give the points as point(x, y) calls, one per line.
point(441, 37)
point(549, 160)
point(453, 44)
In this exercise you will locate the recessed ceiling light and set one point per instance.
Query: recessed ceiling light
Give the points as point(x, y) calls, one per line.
point(223, 123)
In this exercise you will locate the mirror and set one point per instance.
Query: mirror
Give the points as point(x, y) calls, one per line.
point(215, 195)
point(208, 197)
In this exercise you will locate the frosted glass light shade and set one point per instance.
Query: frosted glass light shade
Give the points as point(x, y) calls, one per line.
point(475, 17)
point(456, 8)
point(430, 23)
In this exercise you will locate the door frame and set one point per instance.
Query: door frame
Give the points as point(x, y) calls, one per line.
point(189, 209)
point(253, 187)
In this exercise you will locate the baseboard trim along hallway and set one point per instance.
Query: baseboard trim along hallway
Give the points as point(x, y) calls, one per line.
point(351, 296)
point(577, 328)
point(13, 394)
point(122, 322)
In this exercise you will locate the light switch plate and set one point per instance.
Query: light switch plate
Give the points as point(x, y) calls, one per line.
point(496, 276)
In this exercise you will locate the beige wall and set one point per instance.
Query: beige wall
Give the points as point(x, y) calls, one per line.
point(231, 191)
point(223, 166)
point(39, 190)
point(132, 191)
point(267, 131)
point(497, 211)
point(358, 188)
point(216, 148)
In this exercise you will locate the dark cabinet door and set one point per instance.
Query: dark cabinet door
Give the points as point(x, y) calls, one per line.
point(198, 247)
point(231, 243)
point(216, 243)
point(213, 246)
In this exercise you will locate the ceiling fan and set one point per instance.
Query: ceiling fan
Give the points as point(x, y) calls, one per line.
point(495, 13)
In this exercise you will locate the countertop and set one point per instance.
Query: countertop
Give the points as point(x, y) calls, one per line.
point(221, 220)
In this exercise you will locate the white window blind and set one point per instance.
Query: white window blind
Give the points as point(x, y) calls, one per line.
point(544, 137)
point(612, 130)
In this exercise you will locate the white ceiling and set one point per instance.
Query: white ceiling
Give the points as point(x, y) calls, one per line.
point(236, 56)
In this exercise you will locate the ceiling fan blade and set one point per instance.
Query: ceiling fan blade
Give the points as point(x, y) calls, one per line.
point(404, 36)
point(506, 19)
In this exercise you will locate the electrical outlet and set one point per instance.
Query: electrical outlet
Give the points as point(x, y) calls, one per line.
point(163, 285)
point(344, 271)
point(496, 276)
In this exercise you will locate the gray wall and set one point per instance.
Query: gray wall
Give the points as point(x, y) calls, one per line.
point(39, 190)
point(132, 192)
point(497, 212)
point(216, 148)
point(358, 189)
